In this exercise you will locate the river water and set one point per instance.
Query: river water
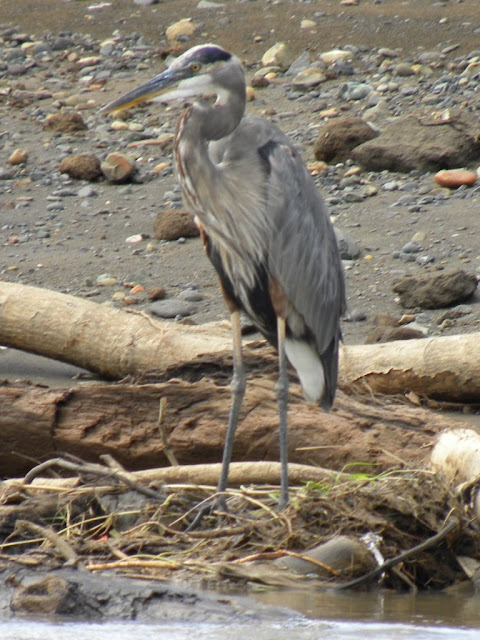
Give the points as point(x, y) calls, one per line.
point(299, 630)
point(379, 615)
point(459, 609)
point(327, 616)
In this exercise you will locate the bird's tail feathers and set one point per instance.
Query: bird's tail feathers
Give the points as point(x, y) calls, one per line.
point(317, 372)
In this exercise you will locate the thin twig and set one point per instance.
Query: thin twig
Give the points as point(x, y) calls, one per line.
point(209, 534)
point(395, 457)
point(24, 560)
point(198, 506)
point(48, 464)
point(262, 555)
point(257, 503)
point(94, 469)
point(130, 563)
point(317, 563)
point(111, 463)
point(404, 578)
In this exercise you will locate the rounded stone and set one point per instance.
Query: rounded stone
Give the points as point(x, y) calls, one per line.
point(454, 178)
point(172, 224)
point(83, 166)
point(171, 308)
point(65, 122)
point(19, 156)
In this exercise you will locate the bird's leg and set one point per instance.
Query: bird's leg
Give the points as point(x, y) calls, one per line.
point(238, 391)
point(281, 389)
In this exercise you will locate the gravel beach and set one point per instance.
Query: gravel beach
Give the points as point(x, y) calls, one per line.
point(100, 239)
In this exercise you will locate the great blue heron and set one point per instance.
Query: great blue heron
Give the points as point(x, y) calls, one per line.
point(264, 226)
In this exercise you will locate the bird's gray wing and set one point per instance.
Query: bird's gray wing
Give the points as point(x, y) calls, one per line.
point(302, 248)
point(299, 240)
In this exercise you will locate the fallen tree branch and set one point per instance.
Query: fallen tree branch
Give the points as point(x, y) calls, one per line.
point(241, 473)
point(134, 563)
point(88, 421)
point(446, 368)
point(84, 468)
point(74, 330)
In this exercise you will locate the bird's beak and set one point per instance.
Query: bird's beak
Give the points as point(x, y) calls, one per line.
point(151, 89)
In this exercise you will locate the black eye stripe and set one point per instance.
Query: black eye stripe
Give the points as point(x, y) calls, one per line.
point(209, 54)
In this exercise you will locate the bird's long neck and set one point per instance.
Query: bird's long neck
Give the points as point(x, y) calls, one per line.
point(203, 122)
point(199, 125)
point(215, 183)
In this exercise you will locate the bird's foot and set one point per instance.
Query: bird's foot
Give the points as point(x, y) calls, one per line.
point(219, 506)
point(202, 512)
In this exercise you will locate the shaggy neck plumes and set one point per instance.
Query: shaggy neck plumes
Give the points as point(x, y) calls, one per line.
point(199, 125)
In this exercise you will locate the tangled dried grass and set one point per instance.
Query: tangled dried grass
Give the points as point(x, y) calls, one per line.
point(142, 531)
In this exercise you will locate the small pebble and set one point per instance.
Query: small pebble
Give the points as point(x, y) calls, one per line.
point(171, 308)
point(411, 247)
point(356, 315)
point(156, 293)
point(106, 280)
point(191, 295)
point(19, 156)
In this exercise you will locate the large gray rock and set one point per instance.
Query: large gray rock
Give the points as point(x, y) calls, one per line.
point(435, 291)
point(422, 142)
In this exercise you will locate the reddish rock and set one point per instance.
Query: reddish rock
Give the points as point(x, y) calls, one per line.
point(454, 178)
point(156, 293)
point(84, 166)
point(138, 288)
point(172, 224)
point(259, 82)
point(118, 167)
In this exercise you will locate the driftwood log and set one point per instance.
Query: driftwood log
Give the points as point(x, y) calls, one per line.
point(446, 368)
point(115, 343)
point(456, 457)
point(111, 342)
point(122, 420)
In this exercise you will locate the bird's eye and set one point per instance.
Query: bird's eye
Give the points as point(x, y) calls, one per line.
point(195, 67)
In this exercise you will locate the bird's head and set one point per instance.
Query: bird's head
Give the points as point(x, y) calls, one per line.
point(204, 70)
